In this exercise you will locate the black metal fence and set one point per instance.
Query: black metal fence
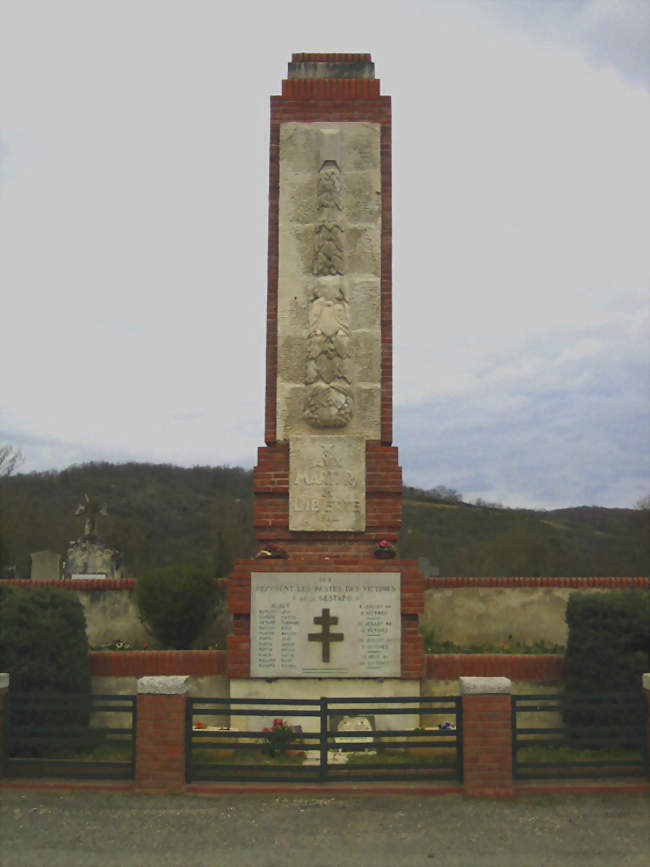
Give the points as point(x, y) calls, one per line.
point(317, 740)
point(74, 736)
point(560, 735)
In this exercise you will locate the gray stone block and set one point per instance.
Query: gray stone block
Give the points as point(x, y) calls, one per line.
point(161, 685)
point(485, 685)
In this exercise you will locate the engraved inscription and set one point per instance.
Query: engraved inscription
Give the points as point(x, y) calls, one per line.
point(285, 606)
point(327, 480)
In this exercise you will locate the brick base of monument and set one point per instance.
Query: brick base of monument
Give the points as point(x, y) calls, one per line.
point(383, 496)
point(411, 603)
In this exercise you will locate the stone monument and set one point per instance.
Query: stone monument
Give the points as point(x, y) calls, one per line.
point(46, 566)
point(328, 606)
point(88, 557)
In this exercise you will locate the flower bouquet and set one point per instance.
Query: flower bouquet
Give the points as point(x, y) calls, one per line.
point(271, 552)
point(281, 738)
point(385, 550)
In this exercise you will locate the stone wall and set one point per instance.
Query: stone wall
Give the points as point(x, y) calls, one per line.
point(477, 610)
point(112, 613)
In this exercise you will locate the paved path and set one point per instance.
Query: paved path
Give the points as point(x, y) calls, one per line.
point(93, 829)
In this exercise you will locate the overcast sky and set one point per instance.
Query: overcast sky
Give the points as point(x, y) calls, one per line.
point(133, 218)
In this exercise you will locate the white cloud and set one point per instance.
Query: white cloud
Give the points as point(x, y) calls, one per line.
point(133, 183)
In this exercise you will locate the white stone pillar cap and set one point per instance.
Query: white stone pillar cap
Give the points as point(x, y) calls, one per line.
point(4, 681)
point(645, 680)
point(485, 685)
point(177, 684)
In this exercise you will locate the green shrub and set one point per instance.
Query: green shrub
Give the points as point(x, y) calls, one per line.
point(44, 648)
point(176, 604)
point(43, 643)
point(607, 652)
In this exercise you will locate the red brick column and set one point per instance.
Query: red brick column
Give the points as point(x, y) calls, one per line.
point(160, 734)
point(4, 688)
point(487, 736)
point(645, 679)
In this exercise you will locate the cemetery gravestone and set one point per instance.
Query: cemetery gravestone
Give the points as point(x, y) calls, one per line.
point(46, 566)
point(87, 557)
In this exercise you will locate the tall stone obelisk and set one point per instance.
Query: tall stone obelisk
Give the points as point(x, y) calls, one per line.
point(327, 485)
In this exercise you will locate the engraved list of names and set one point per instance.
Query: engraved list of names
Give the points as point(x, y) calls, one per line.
point(325, 624)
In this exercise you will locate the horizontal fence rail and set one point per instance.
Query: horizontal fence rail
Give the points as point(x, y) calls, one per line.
point(574, 736)
point(315, 740)
point(74, 736)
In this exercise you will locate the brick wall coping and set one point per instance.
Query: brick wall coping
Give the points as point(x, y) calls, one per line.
point(429, 583)
point(138, 663)
point(4, 681)
point(485, 686)
point(543, 667)
point(161, 685)
point(619, 582)
point(536, 667)
point(78, 584)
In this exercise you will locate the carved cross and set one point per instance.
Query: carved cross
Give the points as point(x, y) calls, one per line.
point(326, 637)
point(90, 510)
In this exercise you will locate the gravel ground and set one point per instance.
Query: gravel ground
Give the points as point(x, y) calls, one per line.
point(50, 828)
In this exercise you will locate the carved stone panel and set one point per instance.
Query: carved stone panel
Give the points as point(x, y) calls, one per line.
point(329, 337)
point(327, 483)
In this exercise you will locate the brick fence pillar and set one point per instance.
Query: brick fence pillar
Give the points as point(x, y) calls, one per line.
point(4, 687)
point(487, 736)
point(645, 679)
point(160, 734)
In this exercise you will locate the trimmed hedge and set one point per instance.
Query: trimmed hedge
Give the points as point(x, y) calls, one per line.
point(44, 648)
point(609, 639)
point(176, 603)
point(43, 643)
point(607, 652)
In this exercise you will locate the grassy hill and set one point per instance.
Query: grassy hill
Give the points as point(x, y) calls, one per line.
point(462, 539)
point(164, 515)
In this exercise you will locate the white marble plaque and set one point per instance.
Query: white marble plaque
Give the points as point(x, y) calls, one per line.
point(325, 624)
point(327, 483)
point(88, 576)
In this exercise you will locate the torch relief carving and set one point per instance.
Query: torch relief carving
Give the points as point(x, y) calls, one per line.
point(328, 376)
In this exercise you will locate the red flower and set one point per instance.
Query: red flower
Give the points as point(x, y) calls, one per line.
point(384, 544)
point(277, 722)
point(199, 724)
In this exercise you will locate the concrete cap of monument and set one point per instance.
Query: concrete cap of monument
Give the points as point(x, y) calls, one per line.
point(331, 65)
point(645, 679)
point(485, 685)
point(4, 681)
point(160, 685)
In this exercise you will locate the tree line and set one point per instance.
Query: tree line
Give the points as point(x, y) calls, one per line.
point(161, 515)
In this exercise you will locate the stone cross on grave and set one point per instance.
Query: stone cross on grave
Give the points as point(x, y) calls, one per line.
point(326, 637)
point(90, 510)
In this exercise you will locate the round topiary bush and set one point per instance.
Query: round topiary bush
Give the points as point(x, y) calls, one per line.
point(176, 603)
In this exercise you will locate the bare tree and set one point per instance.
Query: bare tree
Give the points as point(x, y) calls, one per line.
point(10, 458)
